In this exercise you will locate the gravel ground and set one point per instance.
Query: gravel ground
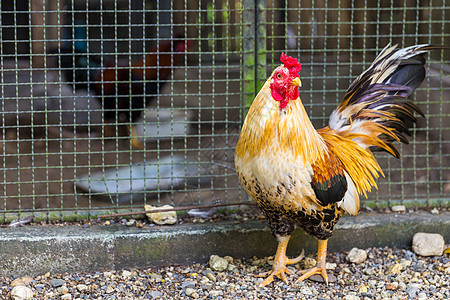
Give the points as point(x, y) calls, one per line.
point(386, 273)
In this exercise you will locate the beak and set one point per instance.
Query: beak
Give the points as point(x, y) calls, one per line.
point(297, 82)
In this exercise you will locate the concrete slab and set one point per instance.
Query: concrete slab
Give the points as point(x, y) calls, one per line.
point(37, 250)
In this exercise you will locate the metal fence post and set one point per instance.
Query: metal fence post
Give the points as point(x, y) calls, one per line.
point(254, 48)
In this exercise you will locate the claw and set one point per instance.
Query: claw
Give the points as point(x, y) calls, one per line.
point(278, 272)
point(293, 261)
point(279, 265)
point(315, 270)
point(320, 268)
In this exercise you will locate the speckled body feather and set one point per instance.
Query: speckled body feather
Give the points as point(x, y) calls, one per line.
point(302, 177)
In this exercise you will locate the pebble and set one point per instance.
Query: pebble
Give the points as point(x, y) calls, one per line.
point(350, 297)
point(308, 262)
point(422, 278)
point(57, 282)
point(435, 211)
point(21, 281)
point(412, 290)
point(156, 294)
point(394, 269)
point(162, 218)
point(398, 208)
point(21, 292)
point(357, 256)
point(331, 266)
point(428, 244)
point(130, 223)
point(218, 263)
point(189, 291)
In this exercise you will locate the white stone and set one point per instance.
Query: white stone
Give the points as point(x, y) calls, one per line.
point(21, 292)
point(21, 281)
point(357, 256)
point(82, 287)
point(350, 297)
point(162, 218)
point(428, 244)
point(189, 291)
point(218, 263)
point(398, 208)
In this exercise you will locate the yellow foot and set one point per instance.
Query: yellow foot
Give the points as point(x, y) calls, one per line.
point(279, 268)
point(313, 271)
point(278, 272)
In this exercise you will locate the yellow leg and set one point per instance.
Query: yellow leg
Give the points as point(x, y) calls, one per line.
point(135, 141)
point(320, 268)
point(279, 265)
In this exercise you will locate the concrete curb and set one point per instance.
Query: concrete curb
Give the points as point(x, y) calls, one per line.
point(37, 250)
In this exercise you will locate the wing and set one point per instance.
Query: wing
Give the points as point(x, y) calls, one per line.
point(328, 180)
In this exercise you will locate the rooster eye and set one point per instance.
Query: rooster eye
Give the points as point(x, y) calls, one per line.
point(279, 76)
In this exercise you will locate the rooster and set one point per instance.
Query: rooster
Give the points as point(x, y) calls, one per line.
point(308, 178)
point(125, 88)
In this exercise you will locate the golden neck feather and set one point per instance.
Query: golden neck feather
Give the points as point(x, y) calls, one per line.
point(267, 128)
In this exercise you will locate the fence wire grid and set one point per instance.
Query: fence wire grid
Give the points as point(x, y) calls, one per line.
point(79, 78)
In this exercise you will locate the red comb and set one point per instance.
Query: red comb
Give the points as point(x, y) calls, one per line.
point(291, 63)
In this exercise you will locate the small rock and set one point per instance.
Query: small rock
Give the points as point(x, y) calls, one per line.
point(428, 244)
point(156, 294)
point(187, 284)
point(39, 287)
point(82, 287)
point(331, 266)
point(398, 208)
point(107, 274)
point(306, 290)
point(66, 297)
point(435, 211)
point(62, 290)
point(155, 276)
point(211, 277)
point(189, 291)
point(161, 218)
point(218, 263)
point(21, 281)
point(357, 256)
point(370, 271)
point(409, 255)
point(412, 290)
point(350, 297)
point(21, 292)
point(422, 296)
point(391, 287)
point(405, 263)
point(362, 289)
point(57, 282)
point(308, 262)
point(214, 293)
point(107, 223)
point(109, 289)
point(130, 223)
point(394, 269)
point(126, 273)
point(229, 259)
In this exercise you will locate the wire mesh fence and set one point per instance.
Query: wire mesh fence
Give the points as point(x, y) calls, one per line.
point(111, 105)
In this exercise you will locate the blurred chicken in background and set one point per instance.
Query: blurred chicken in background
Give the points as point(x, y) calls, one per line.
point(124, 88)
point(36, 97)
